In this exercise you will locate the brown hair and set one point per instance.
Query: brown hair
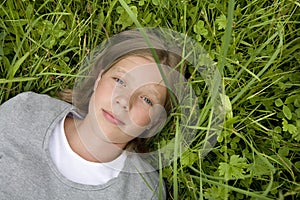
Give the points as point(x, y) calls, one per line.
point(124, 44)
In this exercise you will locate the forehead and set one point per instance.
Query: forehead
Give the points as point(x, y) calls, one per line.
point(139, 70)
point(138, 59)
point(133, 61)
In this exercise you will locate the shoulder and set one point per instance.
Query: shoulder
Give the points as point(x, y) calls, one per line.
point(31, 105)
point(28, 96)
point(27, 99)
point(136, 164)
point(144, 175)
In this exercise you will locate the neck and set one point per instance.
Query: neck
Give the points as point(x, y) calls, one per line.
point(88, 144)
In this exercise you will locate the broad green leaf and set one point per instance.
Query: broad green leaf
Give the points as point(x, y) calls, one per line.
point(278, 102)
point(292, 129)
point(198, 37)
point(283, 152)
point(148, 18)
point(297, 103)
point(297, 111)
point(221, 22)
point(277, 129)
point(227, 104)
point(188, 158)
point(156, 2)
point(141, 2)
point(167, 172)
point(292, 99)
point(284, 125)
point(199, 28)
point(298, 123)
point(297, 165)
point(216, 192)
point(287, 112)
point(262, 166)
point(211, 6)
point(235, 168)
point(29, 11)
point(124, 19)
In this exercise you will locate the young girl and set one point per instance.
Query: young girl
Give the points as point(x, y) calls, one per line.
point(50, 149)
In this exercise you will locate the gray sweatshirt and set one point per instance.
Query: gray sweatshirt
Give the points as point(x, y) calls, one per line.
point(26, 168)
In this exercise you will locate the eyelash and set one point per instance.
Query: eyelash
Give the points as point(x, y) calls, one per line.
point(147, 100)
point(144, 98)
point(119, 81)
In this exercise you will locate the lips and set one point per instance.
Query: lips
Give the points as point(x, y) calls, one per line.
point(112, 118)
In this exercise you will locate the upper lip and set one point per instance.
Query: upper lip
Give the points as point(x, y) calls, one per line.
point(115, 118)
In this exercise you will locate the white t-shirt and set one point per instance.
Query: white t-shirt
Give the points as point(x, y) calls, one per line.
point(77, 169)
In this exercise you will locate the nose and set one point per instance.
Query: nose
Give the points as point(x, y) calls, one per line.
point(122, 102)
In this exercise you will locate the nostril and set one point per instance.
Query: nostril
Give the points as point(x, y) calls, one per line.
point(122, 103)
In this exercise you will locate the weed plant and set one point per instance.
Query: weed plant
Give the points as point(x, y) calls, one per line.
point(255, 44)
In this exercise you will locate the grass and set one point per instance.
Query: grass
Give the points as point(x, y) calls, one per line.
point(255, 45)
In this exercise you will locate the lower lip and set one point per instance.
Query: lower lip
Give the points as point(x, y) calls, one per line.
point(111, 119)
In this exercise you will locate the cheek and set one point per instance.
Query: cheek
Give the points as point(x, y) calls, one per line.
point(104, 89)
point(140, 115)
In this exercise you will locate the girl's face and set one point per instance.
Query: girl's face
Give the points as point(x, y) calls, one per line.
point(128, 99)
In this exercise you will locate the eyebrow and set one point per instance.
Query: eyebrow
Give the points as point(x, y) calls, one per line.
point(123, 71)
point(155, 92)
point(120, 69)
point(152, 88)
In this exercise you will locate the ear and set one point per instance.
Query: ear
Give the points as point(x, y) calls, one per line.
point(98, 79)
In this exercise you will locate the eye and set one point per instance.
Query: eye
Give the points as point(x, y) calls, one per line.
point(147, 100)
point(119, 81)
